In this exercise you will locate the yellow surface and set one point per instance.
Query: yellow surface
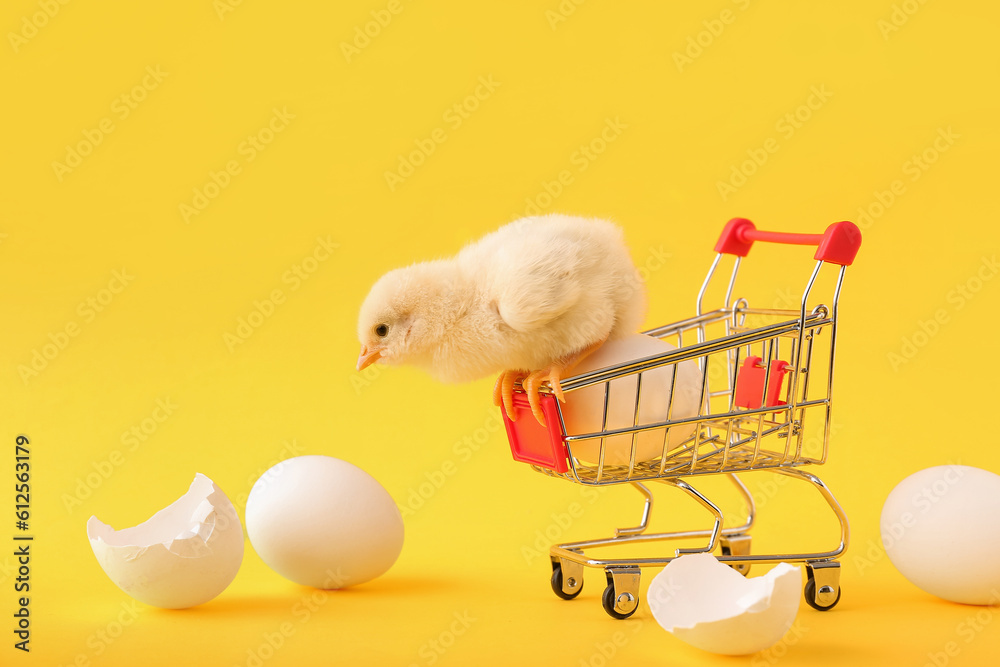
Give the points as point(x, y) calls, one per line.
point(154, 292)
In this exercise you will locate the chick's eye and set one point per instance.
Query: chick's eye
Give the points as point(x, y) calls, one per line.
point(382, 330)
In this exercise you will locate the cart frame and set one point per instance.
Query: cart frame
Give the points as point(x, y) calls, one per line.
point(741, 417)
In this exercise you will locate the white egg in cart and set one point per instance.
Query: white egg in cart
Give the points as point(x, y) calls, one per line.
point(583, 411)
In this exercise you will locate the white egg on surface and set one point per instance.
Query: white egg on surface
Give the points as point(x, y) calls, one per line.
point(323, 522)
point(584, 408)
point(711, 606)
point(184, 555)
point(941, 529)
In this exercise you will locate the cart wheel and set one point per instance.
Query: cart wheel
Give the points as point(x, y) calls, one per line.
point(557, 583)
point(608, 600)
point(621, 597)
point(810, 594)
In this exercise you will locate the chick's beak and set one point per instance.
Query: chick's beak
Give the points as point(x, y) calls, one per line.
point(368, 357)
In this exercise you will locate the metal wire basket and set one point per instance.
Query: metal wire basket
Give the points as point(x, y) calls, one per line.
point(765, 373)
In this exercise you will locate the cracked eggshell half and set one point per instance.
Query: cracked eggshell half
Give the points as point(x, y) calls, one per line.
point(711, 606)
point(184, 555)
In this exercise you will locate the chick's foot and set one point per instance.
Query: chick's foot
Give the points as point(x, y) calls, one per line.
point(552, 376)
point(533, 383)
point(503, 391)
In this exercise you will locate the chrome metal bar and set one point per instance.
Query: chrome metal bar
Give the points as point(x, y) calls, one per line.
point(604, 428)
point(647, 507)
point(643, 537)
point(694, 449)
point(689, 352)
point(765, 311)
point(659, 562)
point(747, 500)
point(796, 361)
point(747, 443)
point(713, 538)
point(732, 281)
point(574, 551)
point(689, 323)
point(704, 285)
point(807, 373)
point(690, 420)
point(833, 352)
point(635, 422)
point(670, 411)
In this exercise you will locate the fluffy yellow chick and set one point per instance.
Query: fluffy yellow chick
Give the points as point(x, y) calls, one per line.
point(529, 300)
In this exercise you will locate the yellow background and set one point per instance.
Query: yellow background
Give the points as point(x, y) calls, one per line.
point(290, 388)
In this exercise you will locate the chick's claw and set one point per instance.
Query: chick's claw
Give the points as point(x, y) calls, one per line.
point(533, 383)
point(503, 391)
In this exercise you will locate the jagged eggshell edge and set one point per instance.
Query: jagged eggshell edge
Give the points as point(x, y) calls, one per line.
point(182, 556)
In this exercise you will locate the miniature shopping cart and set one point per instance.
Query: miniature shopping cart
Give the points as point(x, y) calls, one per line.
point(766, 374)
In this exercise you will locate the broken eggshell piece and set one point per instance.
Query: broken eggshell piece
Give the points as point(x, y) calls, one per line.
point(711, 606)
point(184, 555)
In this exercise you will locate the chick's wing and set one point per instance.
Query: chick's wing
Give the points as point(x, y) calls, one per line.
point(536, 283)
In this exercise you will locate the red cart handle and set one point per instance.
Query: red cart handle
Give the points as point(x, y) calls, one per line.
point(838, 244)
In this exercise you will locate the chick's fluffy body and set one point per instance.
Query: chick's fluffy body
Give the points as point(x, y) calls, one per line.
point(522, 297)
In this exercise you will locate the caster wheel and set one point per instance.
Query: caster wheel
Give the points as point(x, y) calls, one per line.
point(557, 584)
point(609, 599)
point(810, 595)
